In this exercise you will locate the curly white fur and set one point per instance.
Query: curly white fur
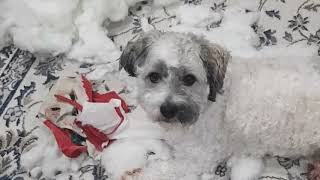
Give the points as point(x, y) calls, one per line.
point(273, 106)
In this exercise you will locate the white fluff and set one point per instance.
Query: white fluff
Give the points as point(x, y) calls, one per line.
point(36, 25)
point(62, 26)
point(47, 159)
point(95, 114)
point(164, 2)
point(197, 16)
point(246, 168)
point(93, 45)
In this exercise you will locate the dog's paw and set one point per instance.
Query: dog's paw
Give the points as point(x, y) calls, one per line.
point(135, 174)
point(246, 168)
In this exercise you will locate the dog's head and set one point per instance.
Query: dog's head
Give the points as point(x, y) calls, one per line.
point(177, 73)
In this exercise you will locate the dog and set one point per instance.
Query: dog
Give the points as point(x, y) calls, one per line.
point(177, 76)
point(235, 107)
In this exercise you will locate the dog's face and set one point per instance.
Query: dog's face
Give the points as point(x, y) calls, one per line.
point(177, 73)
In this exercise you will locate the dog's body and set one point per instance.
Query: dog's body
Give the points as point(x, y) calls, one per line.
point(272, 107)
point(257, 114)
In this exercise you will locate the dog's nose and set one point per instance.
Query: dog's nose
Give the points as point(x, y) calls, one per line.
point(168, 110)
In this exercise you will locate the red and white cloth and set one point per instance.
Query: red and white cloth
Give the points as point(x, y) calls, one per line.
point(99, 119)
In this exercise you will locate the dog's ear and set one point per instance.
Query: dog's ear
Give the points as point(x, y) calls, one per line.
point(215, 61)
point(136, 51)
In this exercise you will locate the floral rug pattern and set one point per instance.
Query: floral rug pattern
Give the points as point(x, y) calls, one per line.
point(26, 79)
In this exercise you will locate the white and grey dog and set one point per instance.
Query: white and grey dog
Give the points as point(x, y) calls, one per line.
point(268, 106)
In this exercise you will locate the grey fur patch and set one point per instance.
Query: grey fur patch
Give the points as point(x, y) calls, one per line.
point(161, 68)
point(176, 74)
point(215, 61)
point(136, 51)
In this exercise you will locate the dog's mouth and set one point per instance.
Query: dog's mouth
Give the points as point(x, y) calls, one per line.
point(181, 118)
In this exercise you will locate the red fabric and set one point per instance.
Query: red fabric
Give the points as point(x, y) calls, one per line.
point(94, 135)
point(64, 142)
point(69, 101)
point(108, 96)
point(121, 121)
point(88, 88)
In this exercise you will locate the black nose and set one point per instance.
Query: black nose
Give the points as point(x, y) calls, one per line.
point(168, 110)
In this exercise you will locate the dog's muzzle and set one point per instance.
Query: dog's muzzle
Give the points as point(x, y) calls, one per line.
point(178, 112)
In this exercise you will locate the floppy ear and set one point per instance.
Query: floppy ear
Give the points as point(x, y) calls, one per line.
point(136, 51)
point(215, 61)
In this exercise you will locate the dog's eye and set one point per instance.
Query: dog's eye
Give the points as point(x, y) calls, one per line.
point(154, 77)
point(189, 80)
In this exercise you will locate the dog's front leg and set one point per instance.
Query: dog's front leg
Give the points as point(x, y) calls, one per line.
point(245, 167)
point(125, 159)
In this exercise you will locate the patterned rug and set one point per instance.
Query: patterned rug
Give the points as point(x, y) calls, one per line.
point(26, 78)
